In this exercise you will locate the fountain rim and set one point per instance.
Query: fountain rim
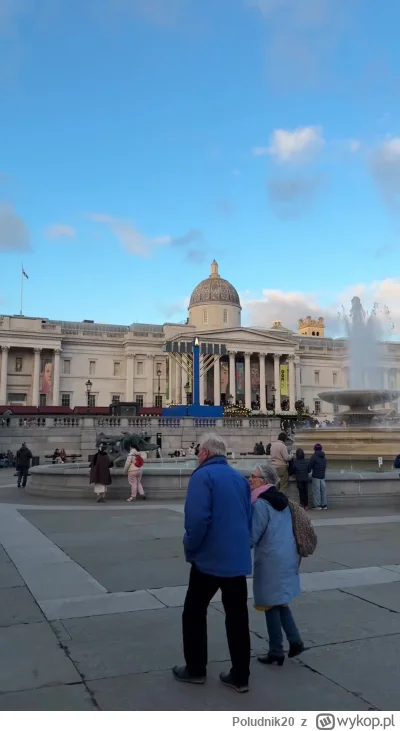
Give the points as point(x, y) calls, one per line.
point(358, 397)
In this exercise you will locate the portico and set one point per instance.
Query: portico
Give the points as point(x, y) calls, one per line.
point(257, 372)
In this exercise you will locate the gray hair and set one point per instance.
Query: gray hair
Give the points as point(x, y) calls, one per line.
point(267, 472)
point(214, 445)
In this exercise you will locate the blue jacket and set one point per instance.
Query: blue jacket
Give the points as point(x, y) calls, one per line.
point(218, 520)
point(276, 560)
point(317, 464)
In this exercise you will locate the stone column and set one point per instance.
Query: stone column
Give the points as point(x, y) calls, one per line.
point(150, 381)
point(3, 377)
point(292, 384)
point(217, 382)
point(36, 376)
point(130, 365)
point(178, 381)
point(298, 382)
point(277, 381)
point(247, 380)
point(232, 375)
point(169, 361)
point(56, 378)
point(263, 400)
point(184, 381)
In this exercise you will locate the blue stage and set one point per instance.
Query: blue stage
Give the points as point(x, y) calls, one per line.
point(194, 411)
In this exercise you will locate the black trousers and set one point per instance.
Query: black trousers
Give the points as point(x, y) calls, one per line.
point(23, 475)
point(303, 493)
point(201, 589)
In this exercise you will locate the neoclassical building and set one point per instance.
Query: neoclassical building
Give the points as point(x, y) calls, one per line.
point(49, 362)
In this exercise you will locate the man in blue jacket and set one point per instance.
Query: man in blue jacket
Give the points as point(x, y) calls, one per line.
point(217, 545)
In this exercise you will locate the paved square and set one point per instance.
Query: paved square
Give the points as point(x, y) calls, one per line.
point(91, 601)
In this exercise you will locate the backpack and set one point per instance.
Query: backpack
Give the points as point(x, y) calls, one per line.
point(139, 461)
point(304, 534)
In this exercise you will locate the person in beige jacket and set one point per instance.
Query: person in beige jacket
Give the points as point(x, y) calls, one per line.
point(134, 469)
point(279, 456)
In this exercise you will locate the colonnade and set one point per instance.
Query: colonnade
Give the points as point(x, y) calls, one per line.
point(268, 386)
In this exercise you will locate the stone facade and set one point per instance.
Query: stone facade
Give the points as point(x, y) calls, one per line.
point(48, 362)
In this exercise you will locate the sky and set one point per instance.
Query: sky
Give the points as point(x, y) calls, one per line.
point(139, 139)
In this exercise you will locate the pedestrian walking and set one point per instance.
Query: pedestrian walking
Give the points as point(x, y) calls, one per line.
point(23, 462)
point(134, 469)
point(317, 467)
point(276, 563)
point(217, 545)
point(100, 476)
point(300, 471)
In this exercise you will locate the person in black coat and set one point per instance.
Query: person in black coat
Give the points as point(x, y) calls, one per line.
point(300, 471)
point(317, 466)
point(24, 456)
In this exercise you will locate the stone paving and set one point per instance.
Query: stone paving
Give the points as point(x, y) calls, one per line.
point(91, 600)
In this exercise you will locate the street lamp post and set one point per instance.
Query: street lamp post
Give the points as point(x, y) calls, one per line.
point(88, 385)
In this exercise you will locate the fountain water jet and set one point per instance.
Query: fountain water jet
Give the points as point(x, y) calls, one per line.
point(365, 368)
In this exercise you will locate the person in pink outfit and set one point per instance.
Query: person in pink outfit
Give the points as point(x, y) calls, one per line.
point(133, 468)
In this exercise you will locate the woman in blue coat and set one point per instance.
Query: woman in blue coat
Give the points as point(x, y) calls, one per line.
point(276, 563)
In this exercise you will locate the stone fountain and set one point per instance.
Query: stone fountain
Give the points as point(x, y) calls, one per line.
point(360, 403)
point(365, 360)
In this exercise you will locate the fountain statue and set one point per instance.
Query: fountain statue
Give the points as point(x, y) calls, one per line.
point(119, 446)
point(365, 371)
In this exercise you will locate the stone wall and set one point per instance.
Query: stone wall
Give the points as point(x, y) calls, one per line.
point(78, 436)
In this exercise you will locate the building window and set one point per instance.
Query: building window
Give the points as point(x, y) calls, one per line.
point(92, 368)
point(65, 399)
point(18, 365)
point(205, 317)
point(16, 398)
point(316, 378)
point(158, 401)
point(42, 399)
point(92, 399)
point(67, 367)
point(117, 368)
point(317, 407)
point(334, 376)
point(225, 316)
point(335, 408)
point(140, 368)
point(139, 400)
point(115, 398)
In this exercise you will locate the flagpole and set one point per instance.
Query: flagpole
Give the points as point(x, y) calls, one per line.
point(22, 287)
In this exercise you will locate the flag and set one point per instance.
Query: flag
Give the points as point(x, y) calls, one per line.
point(24, 274)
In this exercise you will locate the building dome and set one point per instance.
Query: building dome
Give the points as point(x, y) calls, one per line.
point(214, 289)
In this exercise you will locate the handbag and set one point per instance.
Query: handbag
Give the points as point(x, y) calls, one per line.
point(303, 531)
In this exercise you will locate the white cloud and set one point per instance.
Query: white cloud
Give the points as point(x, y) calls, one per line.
point(14, 234)
point(139, 244)
point(298, 145)
point(60, 231)
point(354, 145)
point(385, 169)
point(288, 307)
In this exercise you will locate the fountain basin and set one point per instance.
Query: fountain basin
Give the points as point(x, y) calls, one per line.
point(170, 481)
point(360, 402)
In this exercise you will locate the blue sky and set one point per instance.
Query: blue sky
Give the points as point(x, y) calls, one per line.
point(142, 138)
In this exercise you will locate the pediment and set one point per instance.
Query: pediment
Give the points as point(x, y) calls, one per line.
point(248, 336)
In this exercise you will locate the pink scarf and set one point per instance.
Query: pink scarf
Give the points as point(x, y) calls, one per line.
point(258, 491)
